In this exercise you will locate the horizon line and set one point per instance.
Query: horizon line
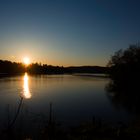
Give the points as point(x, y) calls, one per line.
point(54, 65)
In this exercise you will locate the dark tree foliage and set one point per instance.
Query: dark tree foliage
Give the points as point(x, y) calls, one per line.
point(8, 67)
point(125, 66)
point(123, 89)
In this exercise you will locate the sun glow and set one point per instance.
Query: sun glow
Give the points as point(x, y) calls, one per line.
point(26, 60)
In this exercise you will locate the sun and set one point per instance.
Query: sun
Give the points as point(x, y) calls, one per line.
point(26, 61)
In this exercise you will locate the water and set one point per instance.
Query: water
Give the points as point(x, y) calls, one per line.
point(74, 99)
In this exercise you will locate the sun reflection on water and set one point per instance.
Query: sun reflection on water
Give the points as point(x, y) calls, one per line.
point(26, 91)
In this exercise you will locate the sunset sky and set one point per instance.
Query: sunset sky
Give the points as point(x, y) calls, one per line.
point(67, 32)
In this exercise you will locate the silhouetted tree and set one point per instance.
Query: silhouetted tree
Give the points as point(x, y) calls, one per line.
point(125, 66)
point(8, 67)
point(123, 89)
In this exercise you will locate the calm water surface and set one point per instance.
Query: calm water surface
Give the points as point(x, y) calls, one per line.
point(74, 99)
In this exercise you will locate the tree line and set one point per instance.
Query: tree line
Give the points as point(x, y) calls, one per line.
point(8, 67)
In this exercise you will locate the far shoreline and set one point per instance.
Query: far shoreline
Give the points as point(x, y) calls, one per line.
point(92, 75)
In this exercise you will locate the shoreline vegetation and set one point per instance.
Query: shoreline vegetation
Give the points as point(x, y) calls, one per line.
point(52, 129)
point(123, 89)
point(11, 68)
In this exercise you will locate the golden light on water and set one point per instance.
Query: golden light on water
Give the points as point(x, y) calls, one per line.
point(26, 91)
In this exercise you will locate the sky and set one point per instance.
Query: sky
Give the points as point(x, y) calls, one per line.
point(67, 32)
